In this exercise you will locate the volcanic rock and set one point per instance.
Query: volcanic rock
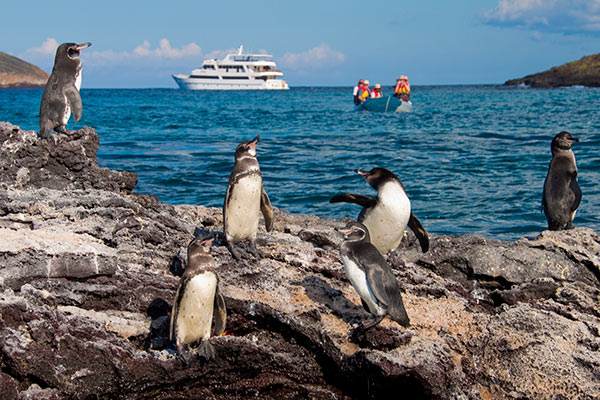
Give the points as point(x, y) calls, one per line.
point(88, 273)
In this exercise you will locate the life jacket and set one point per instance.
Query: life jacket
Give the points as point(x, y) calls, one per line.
point(402, 87)
point(365, 93)
point(377, 94)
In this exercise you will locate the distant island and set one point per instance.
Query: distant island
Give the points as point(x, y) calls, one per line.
point(583, 72)
point(18, 74)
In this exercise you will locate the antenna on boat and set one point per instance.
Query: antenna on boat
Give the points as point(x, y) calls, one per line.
point(240, 50)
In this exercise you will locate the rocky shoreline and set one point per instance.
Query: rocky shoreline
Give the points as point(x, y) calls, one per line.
point(89, 268)
point(583, 72)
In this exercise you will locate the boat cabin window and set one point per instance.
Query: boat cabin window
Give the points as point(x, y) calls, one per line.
point(209, 67)
point(232, 68)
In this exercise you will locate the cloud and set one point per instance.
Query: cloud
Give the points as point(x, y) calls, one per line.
point(163, 53)
point(48, 48)
point(166, 51)
point(567, 17)
point(317, 57)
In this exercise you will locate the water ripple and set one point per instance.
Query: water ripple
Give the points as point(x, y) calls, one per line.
point(472, 158)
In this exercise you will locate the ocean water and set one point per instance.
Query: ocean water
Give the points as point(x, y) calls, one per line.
point(472, 158)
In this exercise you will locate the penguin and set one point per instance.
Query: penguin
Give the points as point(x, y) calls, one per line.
point(371, 277)
point(244, 199)
point(386, 215)
point(61, 94)
point(562, 194)
point(198, 301)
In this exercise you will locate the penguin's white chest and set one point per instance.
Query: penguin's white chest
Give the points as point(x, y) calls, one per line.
point(388, 219)
point(78, 80)
point(243, 208)
point(358, 278)
point(67, 112)
point(194, 317)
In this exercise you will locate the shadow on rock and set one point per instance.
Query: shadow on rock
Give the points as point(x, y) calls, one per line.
point(320, 292)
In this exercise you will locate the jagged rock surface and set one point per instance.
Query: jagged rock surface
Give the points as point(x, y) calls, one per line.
point(86, 279)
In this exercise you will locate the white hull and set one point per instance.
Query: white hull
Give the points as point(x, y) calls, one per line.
point(187, 83)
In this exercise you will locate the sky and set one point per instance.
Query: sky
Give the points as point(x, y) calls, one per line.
point(139, 44)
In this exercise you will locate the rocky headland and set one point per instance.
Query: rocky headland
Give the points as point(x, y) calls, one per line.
point(18, 74)
point(583, 72)
point(89, 269)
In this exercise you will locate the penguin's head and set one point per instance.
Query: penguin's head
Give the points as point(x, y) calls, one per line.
point(68, 53)
point(562, 141)
point(355, 232)
point(377, 176)
point(247, 148)
point(198, 252)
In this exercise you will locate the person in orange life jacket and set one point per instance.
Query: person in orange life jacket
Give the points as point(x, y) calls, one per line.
point(355, 91)
point(377, 91)
point(402, 89)
point(364, 93)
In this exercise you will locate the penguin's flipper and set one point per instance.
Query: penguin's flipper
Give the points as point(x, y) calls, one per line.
point(219, 313)
point(384, 286)
point(74, 99)
point(175, 311)
point(415, 225)
point(266, 209)
point(359, 199)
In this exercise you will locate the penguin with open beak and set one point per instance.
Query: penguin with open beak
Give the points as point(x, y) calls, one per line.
point(61, 94)
point(245, 199)
point(387, 215)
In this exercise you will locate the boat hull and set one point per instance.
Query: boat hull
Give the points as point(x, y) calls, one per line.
point(187, 83)
point(385, 104)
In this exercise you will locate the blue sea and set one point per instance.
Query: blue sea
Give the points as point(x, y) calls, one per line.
point(472, 158)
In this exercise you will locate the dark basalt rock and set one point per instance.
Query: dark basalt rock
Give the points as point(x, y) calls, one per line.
point(87, 279)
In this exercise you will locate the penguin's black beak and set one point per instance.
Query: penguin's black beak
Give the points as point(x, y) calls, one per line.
point(574, 139)
point(361, 172)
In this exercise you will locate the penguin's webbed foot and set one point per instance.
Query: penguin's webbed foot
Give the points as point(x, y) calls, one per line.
point(257, 253)
point(61, 129)
point(185, 356)
point(206, 350)
point(234, 252)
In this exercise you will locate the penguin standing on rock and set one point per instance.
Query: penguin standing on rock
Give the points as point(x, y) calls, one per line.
point(387, 215)
point(198, 301)
point(61, 94)
point(371, 277)
point(245, 199)
point(562, 194)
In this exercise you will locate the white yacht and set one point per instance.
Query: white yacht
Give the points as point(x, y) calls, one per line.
point(235, 72)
